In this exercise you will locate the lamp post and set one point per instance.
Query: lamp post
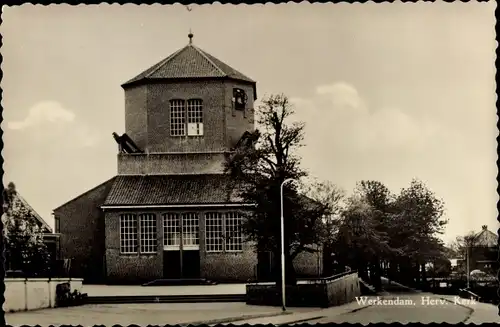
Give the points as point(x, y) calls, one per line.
point(467, 263)
point(283, 301)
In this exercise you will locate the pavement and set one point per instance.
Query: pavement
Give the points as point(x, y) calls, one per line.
point(131, 290)
point(143, 314)
point(397, 303)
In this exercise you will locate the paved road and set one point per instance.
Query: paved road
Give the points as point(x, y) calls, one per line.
point(141, 314)
point(403, 308)
point(402, 304)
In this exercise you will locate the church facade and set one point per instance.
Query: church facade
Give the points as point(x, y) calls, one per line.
point(171, 212)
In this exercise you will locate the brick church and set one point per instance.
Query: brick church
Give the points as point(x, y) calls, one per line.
point(170, 212)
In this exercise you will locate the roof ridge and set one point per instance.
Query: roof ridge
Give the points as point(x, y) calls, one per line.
point(164, 62)
point(35, 213)
point(200, 51)
point(84, 193)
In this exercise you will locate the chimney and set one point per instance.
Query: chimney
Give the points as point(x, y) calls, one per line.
point(484, 227)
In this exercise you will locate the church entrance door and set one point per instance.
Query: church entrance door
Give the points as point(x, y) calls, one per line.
point(181, 258)
point(171, 264)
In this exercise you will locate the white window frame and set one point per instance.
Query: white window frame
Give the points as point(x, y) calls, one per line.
point(177, 117)
point(128, 234)
point(214, 231)
point(225, 224)
point(233, 231)
point(171, 232)
point(190, 231)
point(195, 117)
point(148, 233)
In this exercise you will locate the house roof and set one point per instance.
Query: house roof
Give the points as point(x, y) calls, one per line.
point(147, 190)
point(43, 223)
point(189, 62)
point(486, 238)
point(85, 193)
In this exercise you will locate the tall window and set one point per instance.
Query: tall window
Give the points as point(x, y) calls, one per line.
point(223, 232)
point(195, 117)
point(128, 233)
point(171, 231)
point(234, 239)
point(194, 113)
point(177, 118)
point(213, 231)
point(149, 235)
point(190, 228)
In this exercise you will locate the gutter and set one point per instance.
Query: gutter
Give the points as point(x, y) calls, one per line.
point(178, 206)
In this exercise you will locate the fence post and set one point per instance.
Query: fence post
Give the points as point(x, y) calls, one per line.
point(26, 294)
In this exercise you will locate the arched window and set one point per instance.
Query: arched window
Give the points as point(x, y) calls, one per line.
point(177, 118)
point(195, 117)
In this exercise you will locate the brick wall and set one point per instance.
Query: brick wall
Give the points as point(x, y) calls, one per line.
point(237, 122)
point(135, 114)
point(81, 224)
point(147, 115)
point(168, 163)
point(130, 267)
point(239, 266)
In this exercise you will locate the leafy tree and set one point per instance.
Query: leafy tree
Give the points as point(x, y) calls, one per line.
point(333, 199)
point(259, 166)
point(419, 218)
point(397, 233)
point(360, 238)
point(23, 238)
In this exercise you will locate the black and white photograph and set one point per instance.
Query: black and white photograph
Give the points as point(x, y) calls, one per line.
point(216, 164)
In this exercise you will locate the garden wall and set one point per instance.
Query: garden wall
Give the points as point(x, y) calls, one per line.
point(23, 294)
point(325, 292)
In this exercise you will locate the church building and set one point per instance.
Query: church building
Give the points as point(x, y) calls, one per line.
point(171, 212)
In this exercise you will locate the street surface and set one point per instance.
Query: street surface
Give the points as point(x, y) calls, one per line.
point(139, 314)
point(396, 304)
point(404, 308)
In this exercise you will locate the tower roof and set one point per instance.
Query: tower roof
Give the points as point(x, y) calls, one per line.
point(189, 62)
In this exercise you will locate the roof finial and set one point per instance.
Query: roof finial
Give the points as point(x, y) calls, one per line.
point(190, 35)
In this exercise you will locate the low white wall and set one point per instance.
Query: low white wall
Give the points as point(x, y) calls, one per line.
point(34, 293)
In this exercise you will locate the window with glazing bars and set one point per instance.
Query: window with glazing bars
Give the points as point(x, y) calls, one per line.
point(233, 235)
point(214, 231)
point(177, 118)
point(190, 228)
point(128, 233)
point(149, 236)
point(171, 231)
point(195, 117)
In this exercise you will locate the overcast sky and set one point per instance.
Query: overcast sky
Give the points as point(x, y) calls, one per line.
point(388, 91)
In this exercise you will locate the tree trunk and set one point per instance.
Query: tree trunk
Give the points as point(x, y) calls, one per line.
point(290, 274)
point(416, 274)
point(424, 277)
point(377, 270)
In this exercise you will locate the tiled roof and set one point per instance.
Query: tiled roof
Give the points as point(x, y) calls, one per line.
point(18, 200)
point(137, 190)
point(189, 62)
point(486, 238)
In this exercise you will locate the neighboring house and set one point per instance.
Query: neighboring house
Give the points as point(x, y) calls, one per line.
point(483, 252)
point(171, 212)
point(50, 238)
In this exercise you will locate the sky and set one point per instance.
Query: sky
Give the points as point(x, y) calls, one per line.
point(388, 92)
